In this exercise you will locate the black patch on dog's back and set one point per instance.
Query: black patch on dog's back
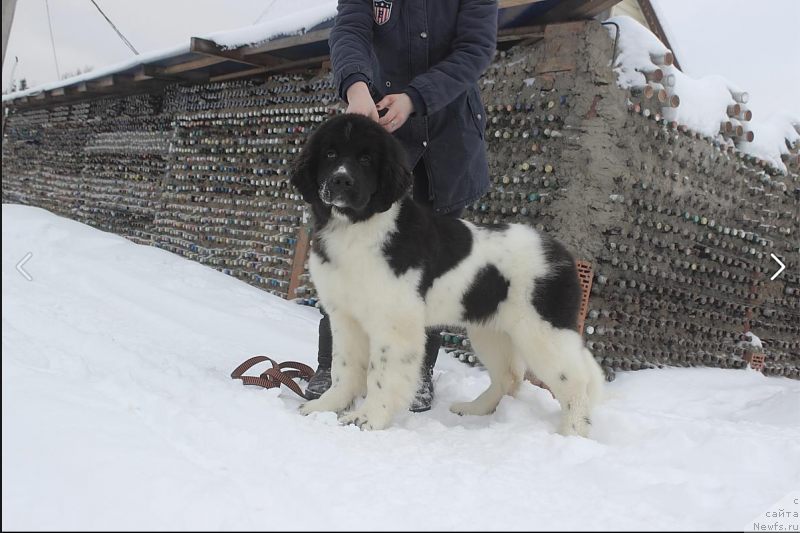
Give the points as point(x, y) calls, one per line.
point(432, 243)
point(557, 297)
point(487, 291)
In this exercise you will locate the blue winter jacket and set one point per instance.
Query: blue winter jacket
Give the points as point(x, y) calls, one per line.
point(433, 50)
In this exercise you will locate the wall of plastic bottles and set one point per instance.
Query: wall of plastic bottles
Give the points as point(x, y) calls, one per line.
point(679, 228)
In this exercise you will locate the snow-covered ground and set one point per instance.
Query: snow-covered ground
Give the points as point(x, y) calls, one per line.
point(119, 412)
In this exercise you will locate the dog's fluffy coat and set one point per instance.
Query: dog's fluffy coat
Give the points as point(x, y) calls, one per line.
point(385, 269)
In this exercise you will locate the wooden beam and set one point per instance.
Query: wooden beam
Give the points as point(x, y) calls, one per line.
point(503, 4)
point(569, 10)
point(652, 20)
point(288, 42)
point(110, 82)
point(518, 34)
point(150, 72)
point(73, 97)
point(101, 83)
point(298, 262)
point(210, 48)
point(193, 65)
point(61, 91)
point(283, 67)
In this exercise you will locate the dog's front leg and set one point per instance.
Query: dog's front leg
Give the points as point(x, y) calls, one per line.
point(393, 377)
point(348, 369)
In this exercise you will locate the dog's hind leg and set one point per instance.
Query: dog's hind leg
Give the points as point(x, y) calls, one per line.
point(348, 369)
point(394, 372)
point(558, 357)
point(506, 370)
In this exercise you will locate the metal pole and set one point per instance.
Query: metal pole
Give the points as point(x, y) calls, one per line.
point(9, 7)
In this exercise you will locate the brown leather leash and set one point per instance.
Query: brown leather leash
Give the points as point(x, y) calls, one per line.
point(275, 376)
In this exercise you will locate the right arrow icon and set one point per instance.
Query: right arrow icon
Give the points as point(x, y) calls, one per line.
point(779, 270)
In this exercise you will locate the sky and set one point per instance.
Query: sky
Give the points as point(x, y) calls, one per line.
point(753, 43)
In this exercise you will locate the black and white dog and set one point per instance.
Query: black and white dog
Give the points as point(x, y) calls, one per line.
point(385, 269)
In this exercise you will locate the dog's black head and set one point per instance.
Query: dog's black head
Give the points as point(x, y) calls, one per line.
point(351, 164)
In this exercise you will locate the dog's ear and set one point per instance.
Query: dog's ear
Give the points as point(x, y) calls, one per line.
point(303, 172)
point(396, 173)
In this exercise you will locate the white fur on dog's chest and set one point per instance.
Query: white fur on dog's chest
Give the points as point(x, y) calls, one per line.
point(356, 275)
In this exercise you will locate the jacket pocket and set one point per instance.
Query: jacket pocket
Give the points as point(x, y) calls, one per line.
point(477, 111)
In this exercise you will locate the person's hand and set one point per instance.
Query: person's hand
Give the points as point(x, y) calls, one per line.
point(399, 108)
point(359, 101)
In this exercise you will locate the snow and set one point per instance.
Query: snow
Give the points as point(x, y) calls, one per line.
point(753, 339)
point(704, 101)
point(119, 413)
point(290, 24)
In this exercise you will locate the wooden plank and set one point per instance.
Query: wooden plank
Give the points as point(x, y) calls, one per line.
point(194, 65)
point(515, 34)
point(298, 263)
point(288, 42)
point(150, 72)
point(110, 82)
point(651, 18)
point(503, 4)
point(283, 67)
point(575, 10)
point(210, 48)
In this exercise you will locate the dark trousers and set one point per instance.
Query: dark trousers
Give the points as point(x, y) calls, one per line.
point(433, 341)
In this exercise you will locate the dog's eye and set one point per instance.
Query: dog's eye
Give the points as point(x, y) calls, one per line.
point(365, 160)
point(331, 154)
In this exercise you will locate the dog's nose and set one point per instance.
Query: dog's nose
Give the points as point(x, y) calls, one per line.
point(342, 180)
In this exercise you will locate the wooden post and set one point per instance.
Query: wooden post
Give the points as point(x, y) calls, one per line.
point(298, 263)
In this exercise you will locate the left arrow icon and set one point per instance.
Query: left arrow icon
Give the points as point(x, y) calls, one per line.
point(22, 270)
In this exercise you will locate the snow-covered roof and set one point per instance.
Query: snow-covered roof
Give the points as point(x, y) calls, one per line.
point(704, 102)
point(294, 24)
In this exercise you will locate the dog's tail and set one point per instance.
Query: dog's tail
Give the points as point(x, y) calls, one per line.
point(596, 379)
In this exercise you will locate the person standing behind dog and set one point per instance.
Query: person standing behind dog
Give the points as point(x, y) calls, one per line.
point(420, 60)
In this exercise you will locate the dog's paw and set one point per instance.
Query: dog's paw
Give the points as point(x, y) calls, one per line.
point(365, 419)
point(471, 408)
point(312, 406)
point(575, 427)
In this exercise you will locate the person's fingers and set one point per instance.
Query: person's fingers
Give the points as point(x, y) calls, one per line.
point(368, 111)
point(391, 120)
point(399, 121)
point(385, 102)
point(373, 114)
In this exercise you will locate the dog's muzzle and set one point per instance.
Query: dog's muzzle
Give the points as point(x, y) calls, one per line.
point(338, 189)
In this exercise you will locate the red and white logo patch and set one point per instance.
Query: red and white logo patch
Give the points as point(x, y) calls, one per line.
point(383, 10)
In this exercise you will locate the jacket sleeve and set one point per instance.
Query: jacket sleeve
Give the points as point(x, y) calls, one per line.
point(351, 44)
point(472, 51)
